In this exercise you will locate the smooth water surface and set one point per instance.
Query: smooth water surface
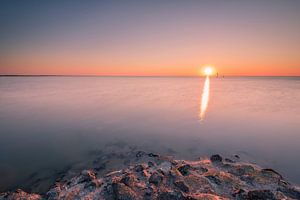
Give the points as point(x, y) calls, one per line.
point(48, 123)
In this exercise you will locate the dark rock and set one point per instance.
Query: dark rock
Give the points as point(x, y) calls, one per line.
point(86, 176)
point(214, 179)
point(182, 186)
point(237, 156)
point(240, 193)
point(216, 158)
point(53, 193)
point(202, 170)
point(290, 192)
point(128, 179)
point(122, 192)
point(156, 178)
point(153, 155)
point(172, 195)
point(248, 179)
point(149, 191)
point(270, 172)
point(92, 184)
point(242, 170)
point(184, 169)
point(150, 164)
point(229, 160)
point(140, 154)
point(261, 195)
point(139, 168)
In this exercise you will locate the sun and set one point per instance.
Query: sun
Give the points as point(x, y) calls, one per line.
point(208, 70)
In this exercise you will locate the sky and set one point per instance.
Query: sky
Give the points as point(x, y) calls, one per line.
point(150, 38)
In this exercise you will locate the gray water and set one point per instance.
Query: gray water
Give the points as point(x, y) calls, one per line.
point(48, 123)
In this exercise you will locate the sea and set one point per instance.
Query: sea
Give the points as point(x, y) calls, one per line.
point(47, 123)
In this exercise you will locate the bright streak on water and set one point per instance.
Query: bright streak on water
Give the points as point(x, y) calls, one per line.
point(204, 99)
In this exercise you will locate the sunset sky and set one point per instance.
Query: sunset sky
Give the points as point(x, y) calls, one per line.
point(149, 38)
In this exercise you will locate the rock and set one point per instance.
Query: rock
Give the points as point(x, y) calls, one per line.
point(172, 195)
point(182, 186)
point(128, 179)
point(290, 192)
point(93, 184)
point(19, 195)
point(202, 170)
point(140, 154)
point(214, 179)
point(184, 169)
point(261, 195)
point(240, 194)
point(122, 192)
point(139, 168)
point(170, 179)
point(229, 160)
point(156, 178)
point(54, 192)
point(216, 158)
point(165, 167)
point(150, 164)
point(270, 173)
point(153, 155)
point(86, 176)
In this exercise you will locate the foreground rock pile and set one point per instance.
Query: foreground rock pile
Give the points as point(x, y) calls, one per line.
point(158, 177)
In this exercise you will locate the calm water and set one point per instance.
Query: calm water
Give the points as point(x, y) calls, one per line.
point(49, 122)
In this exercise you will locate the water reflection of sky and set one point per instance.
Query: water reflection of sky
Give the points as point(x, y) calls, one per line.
point(49, 122)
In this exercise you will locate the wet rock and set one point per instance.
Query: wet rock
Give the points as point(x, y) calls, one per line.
point(216, 158)
point(184, 169)
point(182, 186)
point(156, 178)
point(261, 195)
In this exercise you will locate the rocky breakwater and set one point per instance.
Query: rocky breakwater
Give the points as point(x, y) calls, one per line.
point(159, 177)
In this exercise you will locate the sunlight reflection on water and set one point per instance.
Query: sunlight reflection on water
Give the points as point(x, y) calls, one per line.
point(204, 99)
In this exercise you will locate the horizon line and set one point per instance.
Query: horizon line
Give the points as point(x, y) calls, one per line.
point(91, 75)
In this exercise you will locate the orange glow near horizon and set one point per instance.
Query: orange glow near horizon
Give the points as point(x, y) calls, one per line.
point(49, 64)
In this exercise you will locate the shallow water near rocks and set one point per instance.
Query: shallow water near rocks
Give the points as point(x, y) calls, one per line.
point(51, 123)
